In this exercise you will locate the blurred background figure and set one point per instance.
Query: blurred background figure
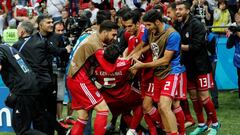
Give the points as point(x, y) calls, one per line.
point(10, 35)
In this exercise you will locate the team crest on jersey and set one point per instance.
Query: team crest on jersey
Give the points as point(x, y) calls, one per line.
point(155, 50)
point(120, 64)
point(97, 94)
point(136, 40)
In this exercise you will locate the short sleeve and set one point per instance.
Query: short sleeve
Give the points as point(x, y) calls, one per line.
point(173, 42)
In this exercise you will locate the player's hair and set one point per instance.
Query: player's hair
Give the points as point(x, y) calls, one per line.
point(186, 4)
point(131, 16)
point(108, 26)
point(111, 53)
point(152, 16)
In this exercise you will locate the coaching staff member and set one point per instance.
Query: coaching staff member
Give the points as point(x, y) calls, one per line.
point(24, 91)
point(38, 51)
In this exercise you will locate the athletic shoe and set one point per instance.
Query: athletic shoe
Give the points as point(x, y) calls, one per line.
point(199, 130)
point(214, 129)
point(189, 123)
point(131, 132)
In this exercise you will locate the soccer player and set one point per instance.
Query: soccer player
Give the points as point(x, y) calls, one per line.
point(169, 74)
point(171, 13)
point(198, 67)
point(85, 95)
point(118, 91)
point(131, 21)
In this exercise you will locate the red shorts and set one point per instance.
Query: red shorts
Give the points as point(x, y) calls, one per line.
point(202, 82)
point(147, 89)
point(173, 86)
point(118, 106)
point(84, 95)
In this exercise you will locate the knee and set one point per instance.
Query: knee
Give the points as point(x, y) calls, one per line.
point(193, 94)
point(163, 108)
point(101, 106)
point(83, 115)
point(147, 107)
point(203, 95)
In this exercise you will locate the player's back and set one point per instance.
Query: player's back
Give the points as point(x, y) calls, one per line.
point(117, 83)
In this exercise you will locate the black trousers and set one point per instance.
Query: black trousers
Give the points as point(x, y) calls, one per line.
point(214, 91)
point(49, 103)
point(27, 110)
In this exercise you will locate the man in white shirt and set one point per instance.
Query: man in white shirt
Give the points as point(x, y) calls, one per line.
point(54, 8)
point(94, 11)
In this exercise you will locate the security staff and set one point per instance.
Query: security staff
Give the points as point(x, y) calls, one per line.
point(24, 92)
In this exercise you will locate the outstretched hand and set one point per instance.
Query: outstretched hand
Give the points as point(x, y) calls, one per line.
point(134, 56)
point(137, 64)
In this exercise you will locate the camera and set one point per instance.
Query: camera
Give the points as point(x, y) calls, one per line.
point(234, 29)
point(77, 25)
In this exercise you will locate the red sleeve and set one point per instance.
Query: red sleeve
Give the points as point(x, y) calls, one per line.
point(126, 35)
point(149, 7)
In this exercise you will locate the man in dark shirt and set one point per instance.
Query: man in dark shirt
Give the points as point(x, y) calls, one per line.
point(195, 58)
point(38, 51)
point(24, 92)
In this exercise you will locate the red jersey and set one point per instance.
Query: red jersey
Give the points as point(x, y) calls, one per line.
point(133, 41)
point(151, 6)
point(117, 83)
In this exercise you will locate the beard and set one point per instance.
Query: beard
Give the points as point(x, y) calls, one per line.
point(107, 40)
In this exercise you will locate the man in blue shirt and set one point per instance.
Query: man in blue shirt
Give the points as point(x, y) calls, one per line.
point(169, 74)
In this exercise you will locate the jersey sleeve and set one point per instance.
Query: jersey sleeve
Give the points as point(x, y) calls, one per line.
point(173, 42)
point(145, 36)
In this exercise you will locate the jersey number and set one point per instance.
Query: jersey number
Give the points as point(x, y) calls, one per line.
point(203, 82)
point(108, 84)
point(166, 86)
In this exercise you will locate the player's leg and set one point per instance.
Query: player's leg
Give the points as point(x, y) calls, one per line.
point(167, 115)
point(180, 95)
point(197, 106)
point(80, 124)
point(100, 122)
point(177, 109)
point(204, 83)
point(151, 94)
point(189, 121)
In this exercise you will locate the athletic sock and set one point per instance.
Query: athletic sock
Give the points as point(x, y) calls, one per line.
point(209, 107)
point(180, 119)
point(186, 110)
point(198, 108)
point(100, 122)
point(154, 114)
point(151, 125)
point(127, 117)
point(137, 117)
point(78, 127)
